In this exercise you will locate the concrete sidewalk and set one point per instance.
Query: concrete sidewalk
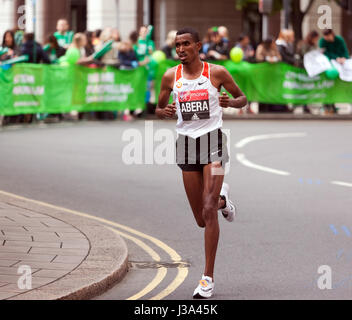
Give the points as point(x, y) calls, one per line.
point(70, 257)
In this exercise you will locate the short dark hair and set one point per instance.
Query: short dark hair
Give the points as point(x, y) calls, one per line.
point(328, 32)
point(28, 36)
point(191, 31)
point(242, 36)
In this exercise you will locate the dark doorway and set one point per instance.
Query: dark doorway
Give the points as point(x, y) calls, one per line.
point(79, 15)
point(252, 23)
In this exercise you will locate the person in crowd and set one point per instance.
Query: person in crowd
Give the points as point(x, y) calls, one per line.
point(309, 43)
point(9, 42)
point(35, 54)
point(111, 57)
point(245, 44)
point(127, 56)
point(335, 48)
point(90, 50)
point(205, 44)
point(53, 50)
point(224, 34)
point(144, 49)
point(145, 46)
point(63, 35)
point(170, 49)
point(285, 44)
point(116, 35)
point(78, 45)
point(267, 51)
point(218, 49)
point(128, 60)
point(96, 37)
point(33, 49)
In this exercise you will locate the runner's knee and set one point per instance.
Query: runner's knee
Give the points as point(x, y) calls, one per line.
point(210, 208)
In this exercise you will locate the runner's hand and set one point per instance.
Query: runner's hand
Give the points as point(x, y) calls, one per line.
point(224, 100)
point(169, 110)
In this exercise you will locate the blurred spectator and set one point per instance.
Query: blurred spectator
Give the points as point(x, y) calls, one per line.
point(145, 46)
point(245, 45)
point(128, 60)
point(89, 47)
point(76, 53)
point(267, 51)
point(303, 47)
point(53, 49)
point(127, 56)
point(334, 46)
point(218, 49)
point(170, 49)
point(111, 57)
point(33, 49)
point(63, 35)
point(18, 37)
point(285, 44)
point(116, 35)
point(205, 44)
point(308, 44)
point(224, 34)
point(10, 43)
point(96, 37)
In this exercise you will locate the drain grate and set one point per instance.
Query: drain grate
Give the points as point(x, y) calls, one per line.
point(157, 265)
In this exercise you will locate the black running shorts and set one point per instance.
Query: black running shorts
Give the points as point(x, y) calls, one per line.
point(194, 154)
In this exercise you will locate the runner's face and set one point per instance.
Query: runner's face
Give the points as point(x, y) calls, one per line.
point(187, 49)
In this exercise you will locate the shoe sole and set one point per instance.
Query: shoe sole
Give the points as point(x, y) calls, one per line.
point(200, 297)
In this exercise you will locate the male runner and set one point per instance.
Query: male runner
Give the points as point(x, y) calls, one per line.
point(201, 145)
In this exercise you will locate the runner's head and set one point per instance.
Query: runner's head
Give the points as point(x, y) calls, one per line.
point(188, 45)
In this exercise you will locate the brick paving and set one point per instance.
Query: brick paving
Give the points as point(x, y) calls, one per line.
point(50, 247)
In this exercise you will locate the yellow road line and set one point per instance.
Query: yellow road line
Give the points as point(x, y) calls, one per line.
point(182, 274)
point(161, 273)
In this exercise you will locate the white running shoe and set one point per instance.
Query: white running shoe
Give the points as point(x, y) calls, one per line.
point(229, 212)
point(205, 288)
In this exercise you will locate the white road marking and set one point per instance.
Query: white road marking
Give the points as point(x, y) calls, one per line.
point(342, 184)
point(248, 140)
point(242, 159)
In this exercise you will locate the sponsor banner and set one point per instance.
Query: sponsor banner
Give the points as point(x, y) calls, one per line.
point(279, 83)
point(33, 88)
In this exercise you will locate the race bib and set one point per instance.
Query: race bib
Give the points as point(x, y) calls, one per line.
point(194, 105)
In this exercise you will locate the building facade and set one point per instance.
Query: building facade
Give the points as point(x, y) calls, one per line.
point(165, 15)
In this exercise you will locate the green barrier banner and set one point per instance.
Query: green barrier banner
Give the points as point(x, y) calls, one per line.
point(278, 83)
point(33, 88)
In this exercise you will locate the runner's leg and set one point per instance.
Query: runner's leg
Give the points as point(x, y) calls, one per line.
point(193, 182)
point(212, 188)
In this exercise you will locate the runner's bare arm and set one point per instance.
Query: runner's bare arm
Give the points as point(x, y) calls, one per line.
point(164, 109)
point(225, 80)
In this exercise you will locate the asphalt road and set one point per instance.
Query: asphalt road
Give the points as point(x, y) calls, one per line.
point(287, 226)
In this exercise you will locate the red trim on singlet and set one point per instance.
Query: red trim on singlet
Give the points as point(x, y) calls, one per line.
point(206, 70)
point(179, 72)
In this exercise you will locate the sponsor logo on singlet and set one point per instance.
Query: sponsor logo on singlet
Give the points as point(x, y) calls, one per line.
point(194, 105)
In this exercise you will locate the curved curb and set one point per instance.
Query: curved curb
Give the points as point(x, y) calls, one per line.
point(105, 265)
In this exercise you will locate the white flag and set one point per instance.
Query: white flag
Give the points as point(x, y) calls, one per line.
point(315, 63)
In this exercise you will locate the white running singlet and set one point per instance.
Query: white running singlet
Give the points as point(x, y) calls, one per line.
point(197, 103)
